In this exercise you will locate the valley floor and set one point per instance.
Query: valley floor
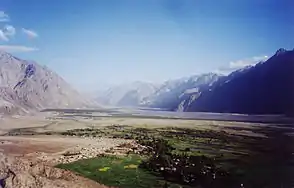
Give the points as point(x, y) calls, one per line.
point(262, 154)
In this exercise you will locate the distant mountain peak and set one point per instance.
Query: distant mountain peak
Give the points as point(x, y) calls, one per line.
point(128, 94)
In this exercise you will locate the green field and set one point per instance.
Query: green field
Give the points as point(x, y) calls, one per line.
point(115, 171)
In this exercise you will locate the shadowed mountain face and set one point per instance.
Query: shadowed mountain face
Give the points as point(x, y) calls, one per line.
point(26, 86)
point(266, 88)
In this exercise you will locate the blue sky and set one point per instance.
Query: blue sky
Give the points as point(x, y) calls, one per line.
point(96, 42)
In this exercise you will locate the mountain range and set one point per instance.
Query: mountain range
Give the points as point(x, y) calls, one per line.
point(26, 86)
point(264, 88)
point(170, 94)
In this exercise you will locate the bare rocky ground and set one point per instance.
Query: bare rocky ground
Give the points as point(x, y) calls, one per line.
point(32, 160)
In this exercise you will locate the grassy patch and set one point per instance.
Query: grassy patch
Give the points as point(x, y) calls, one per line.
point(121, 172)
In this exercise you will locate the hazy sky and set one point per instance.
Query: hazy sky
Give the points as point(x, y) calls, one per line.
point(95, 42)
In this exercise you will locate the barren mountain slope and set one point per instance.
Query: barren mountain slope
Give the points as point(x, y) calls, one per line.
point(26, 86)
